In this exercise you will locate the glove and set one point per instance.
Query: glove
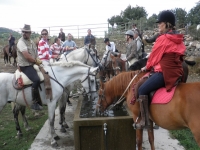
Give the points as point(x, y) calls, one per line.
point(38, 61)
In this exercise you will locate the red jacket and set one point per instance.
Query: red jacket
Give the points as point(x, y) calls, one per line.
point(166, 57)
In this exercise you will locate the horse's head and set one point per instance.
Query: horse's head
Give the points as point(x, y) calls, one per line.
point(104, 100)
point(89, 83)
point(118, 64)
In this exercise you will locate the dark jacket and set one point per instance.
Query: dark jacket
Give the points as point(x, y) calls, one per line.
point(89, 39)
point(62, 36)
point(12, 40)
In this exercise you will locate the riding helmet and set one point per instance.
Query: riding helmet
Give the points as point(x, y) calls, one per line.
point(106, 40)
point(166, 16)
point(129, 32)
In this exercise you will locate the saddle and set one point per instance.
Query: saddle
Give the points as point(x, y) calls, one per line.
point(21, 81)
point(150, 96)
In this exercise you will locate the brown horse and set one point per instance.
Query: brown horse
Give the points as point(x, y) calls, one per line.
point(7, 57)
point(118, 64)
point(181, 112)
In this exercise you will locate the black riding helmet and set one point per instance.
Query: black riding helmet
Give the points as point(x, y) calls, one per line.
point(166, 16)
point(106, 40)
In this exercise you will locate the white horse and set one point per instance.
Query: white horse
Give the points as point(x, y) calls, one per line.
point(66, 73)
point(83, 55)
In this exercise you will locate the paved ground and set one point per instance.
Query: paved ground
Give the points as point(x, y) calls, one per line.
point(66, 142)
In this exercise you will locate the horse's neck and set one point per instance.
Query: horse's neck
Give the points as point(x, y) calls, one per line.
point(67, 75)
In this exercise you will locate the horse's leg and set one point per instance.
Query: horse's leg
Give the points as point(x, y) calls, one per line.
point(139, 138)
point(5, 59)
point(16, 113)
point(9, 58)
point(51, 116)
point(23, 110)
point(194, 127)
point(151, 136)
point(62, 108)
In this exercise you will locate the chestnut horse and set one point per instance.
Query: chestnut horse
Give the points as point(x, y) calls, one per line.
point(7, 57)
point(181, 112)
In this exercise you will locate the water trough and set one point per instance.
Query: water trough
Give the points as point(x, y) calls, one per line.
point(114, 132)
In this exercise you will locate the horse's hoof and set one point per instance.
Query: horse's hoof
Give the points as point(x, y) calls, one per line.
point(19, 135)
point(65, 125)
point(62, 130)
point(57, 138)
point(54, 144)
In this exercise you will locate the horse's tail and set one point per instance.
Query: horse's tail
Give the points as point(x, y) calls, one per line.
point(5, 55)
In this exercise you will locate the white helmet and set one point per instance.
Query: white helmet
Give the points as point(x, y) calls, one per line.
point(129, 32)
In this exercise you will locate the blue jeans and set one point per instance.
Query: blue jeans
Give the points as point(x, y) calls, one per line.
point(153, 83)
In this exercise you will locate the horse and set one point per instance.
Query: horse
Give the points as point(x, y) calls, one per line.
point(7, 57)
point(66, 72)
point(181, 112)
point(118, 64)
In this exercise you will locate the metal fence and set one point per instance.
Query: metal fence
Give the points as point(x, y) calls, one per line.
point(78, 31)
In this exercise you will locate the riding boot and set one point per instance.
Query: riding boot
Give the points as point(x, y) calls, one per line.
point(144, 110)
point(35, 95)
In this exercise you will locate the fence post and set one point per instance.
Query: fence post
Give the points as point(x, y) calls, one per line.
point(78, 31)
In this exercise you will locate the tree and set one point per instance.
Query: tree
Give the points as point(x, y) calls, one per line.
point(180, 15)
point(111, 21)
point(194, 15)
point(151, 22)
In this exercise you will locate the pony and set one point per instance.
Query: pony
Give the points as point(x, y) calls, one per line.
point(7, 57)
point(66, 72)
point(181, 112)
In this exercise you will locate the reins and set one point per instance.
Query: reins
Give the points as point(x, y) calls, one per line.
point(122, 98)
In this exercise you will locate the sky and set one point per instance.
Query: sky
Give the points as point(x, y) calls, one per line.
point(73, 15)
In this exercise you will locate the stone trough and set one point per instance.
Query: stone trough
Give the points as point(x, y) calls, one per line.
point(114, 132)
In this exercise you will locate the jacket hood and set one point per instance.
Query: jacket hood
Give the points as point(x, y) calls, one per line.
point(176, 38)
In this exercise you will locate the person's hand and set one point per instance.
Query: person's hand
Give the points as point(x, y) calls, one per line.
point(38, 61)
point(143, 69)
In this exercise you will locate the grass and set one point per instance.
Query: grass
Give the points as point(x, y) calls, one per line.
point(185, 138)
point(8, 140)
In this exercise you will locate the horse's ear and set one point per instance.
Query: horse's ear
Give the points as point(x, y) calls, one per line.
point(112, 56)
point(94, 70)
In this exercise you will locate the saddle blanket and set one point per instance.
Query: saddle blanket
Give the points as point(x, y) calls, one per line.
point(161, 96)
point(26, 80)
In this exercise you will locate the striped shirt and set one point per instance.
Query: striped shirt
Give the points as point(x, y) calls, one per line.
point(43, 50)
point(56, 49)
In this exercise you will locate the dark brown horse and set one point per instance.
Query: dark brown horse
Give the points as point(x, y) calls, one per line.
point(7, 57)
point(181, 112)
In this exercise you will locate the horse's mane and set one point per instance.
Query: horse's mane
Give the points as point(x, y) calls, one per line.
point(69, 64)
point(120, 82)
point(75, 51)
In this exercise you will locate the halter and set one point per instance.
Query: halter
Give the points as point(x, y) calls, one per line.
point(88, 77)
point(97, 63)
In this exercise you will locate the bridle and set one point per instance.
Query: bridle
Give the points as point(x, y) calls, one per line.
point(102, 98)
point(88, 77)
point(118, 68)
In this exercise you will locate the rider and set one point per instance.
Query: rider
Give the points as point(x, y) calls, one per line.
point(11, 40)
point(69, 45)
point(27, 57)
point(131, 48)
point(110, 46)
point(43, 48)
point(56, 48)
point(165, 62)
point(139, 44)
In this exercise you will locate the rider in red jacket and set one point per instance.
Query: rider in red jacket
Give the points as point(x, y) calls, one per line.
point(165, 63)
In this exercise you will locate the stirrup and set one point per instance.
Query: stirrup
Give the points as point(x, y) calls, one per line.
point(139, 126)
